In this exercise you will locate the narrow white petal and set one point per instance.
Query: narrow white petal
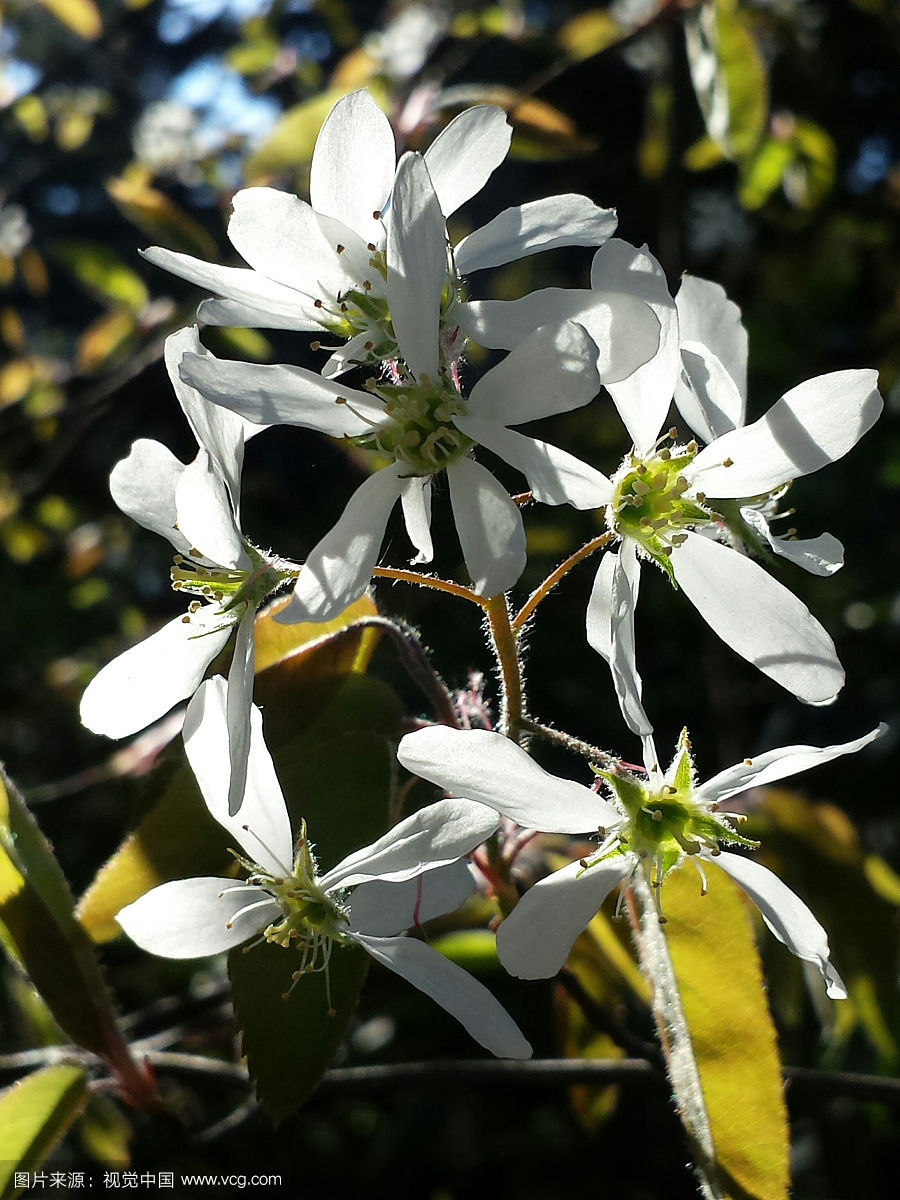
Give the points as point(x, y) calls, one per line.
point(303, 318)
point(191, 918)
point(567, 220)
point(337, 570)
point(143, 485)
point(480, 1014)
point(353, 164)
point(238, 705)
point(489, 526)
point(205, 515)
point(786, 916)
point(810, 426)
point(283, 395)
point(493, 770)
point(624, 328)
point(643, 398)
point(822, 555)
point(352, 354)
point(432, 837)
point(220, 432)
point(462, 158)
point(416, 500)
point(382, 909)
point(535, 939)
point(777, 764)
point(141, 685)
point(553, 371)
point(267, 837)
point(707, 316)
point(240, 285)
point(278, 234)
point(554, 476)
point(416, 266)
point(706, 395)
point(610, 630)
point(759, 618)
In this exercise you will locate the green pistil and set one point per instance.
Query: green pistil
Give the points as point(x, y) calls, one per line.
point(649, 503)
point(226, 586)
point(421, 433)
point(666, 823)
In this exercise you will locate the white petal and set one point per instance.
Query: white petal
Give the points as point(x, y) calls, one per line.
point(610, 630)
point(553, 371)
point(706, 395)
point(554, 476)
point(480, 1014)
point(344, 358)
point(141, 685)
point(786, 915)
point(810, 426)
point(777, 764)
point(462, 158)
point(707, 316)
point(493, 770)
point(337, 570)
point(382, 909)
point(353, 164)
point(822, 555)
point(758, 618)
point(416, 500)
point(143, 485)
point(416, 266)
point(232, 312)
point(432, 837)
point(624, 329)
point(643, 398)
point(283, 395)
point(240, 696)
point(220, 432)
point(489, 526)
point(567, 220)
point(205, 516)
point(241, 285)
point(535, 939)
point(267, 837)
point(191, 918)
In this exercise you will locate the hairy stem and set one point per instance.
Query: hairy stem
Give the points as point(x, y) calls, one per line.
point(505, 645)
point(430, 581)
point(543, 590)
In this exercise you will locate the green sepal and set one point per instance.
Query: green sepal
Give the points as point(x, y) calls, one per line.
point(629, 791)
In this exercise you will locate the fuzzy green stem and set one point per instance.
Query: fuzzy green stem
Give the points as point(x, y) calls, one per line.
point(430, 581)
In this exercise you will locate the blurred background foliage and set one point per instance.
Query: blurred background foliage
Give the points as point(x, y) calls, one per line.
point(753, 142)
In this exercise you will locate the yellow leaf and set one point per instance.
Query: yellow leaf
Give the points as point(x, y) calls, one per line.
point(103, 338)
point(160, 218)
point(291, 142)
point(354, 70)
point(15, 380)
point(720, 981)
point(589, 33)
point(81, 16)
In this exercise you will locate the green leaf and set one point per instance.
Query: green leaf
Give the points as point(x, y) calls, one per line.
point(34, 1114)
point(105, 1133)
point(719, 978)
point(38, 928)
point(102, 273)
point(289, 1042)
point(589, 33)
point(729, 76)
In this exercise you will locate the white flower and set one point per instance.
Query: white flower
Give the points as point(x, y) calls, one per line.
point(413, 873)
point(419, 418)
point(196, 507)
point(671, 504)
point(329, 265)
point(651, 825)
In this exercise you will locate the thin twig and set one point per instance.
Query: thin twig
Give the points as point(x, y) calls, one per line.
point(593, 753)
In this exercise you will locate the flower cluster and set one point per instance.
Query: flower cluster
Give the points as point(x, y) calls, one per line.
point(369, 265)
